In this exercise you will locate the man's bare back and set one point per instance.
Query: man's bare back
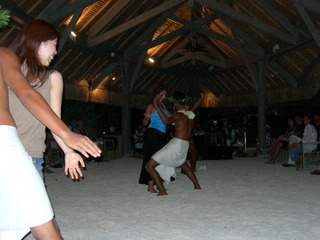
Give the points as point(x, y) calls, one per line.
point(7, 57)
point(183, 126)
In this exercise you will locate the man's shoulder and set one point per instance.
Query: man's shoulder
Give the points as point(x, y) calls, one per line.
point(6, 50)
point(6, 53)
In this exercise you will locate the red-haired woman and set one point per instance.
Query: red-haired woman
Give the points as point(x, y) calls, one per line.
point(155, 136)
point(24, 203)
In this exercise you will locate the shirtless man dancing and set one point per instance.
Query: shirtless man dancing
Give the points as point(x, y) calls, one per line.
point(162, 164)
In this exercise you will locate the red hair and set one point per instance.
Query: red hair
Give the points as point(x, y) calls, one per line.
point(26, 46)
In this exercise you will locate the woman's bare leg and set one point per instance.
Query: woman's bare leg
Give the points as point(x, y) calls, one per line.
point(47, 231)
point(151, 187)
point(275, 152)
point(275, 143)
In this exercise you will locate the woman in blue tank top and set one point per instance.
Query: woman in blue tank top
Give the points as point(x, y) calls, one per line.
point(155, 137)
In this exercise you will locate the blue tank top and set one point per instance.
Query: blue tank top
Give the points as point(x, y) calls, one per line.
point(156, 122)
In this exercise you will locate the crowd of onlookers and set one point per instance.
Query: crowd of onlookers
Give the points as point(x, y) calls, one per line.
point(301, 136)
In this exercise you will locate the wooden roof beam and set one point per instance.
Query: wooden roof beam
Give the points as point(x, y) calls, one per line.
point(16, 11)
point(107, 71)
point(284, 73)
point(213, 4)
point(162, 39)
point(184, 42)
point(308, 70)
point(134, 22)
point(52, 7)
point(107, 17)
point(58, 11)
point(193, 56)
point(312, 5)
point(66, 34)
point(310, 25)
point(250, 69)
point(204, 42)
point(278, 17)
point(256, 48)
point(147, 33)
point(227, 40)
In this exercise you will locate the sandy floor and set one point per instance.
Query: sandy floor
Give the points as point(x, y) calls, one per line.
point(241, 199)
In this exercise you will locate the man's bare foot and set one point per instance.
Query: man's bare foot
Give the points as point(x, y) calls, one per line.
point(162, 193)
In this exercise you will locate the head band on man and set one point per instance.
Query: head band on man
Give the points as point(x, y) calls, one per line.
point(179, 98)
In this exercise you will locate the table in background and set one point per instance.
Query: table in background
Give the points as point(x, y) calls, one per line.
point(111, 144)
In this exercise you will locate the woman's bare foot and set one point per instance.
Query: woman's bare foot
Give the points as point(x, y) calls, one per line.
point(270, 162)
point(152, 190)
point(151, 187)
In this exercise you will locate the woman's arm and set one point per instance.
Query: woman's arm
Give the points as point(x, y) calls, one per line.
point(156, 103)
point(72, 159)
point(147, 114)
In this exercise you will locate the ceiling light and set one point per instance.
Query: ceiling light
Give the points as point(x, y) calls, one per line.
point(151, 60)
point(73, 35)
point(113, 78)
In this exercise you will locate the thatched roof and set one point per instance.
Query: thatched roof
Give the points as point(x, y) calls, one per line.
point(230, 49)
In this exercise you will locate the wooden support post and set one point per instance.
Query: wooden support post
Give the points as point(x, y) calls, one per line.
point(262, 104)
point(126, 107)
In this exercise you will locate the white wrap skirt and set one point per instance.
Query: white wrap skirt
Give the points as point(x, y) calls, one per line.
point(24, 202)
point(172, 155)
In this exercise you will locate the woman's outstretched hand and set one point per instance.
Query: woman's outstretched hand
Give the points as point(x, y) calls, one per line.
point(82, 144)
point(73, 162)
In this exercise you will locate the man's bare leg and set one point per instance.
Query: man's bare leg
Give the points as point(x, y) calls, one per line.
point(151, 165)
point(192, 154)
point(47, 231)
point(191, 175)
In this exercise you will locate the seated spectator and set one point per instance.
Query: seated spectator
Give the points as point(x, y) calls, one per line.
point(232, 139)
point(316, 120)
point(282, 140)
point(138, 137)
point(309, 140)
point(198, 131)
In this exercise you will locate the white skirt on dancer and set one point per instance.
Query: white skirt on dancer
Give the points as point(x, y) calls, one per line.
point(24, 202)
point(172, 155)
